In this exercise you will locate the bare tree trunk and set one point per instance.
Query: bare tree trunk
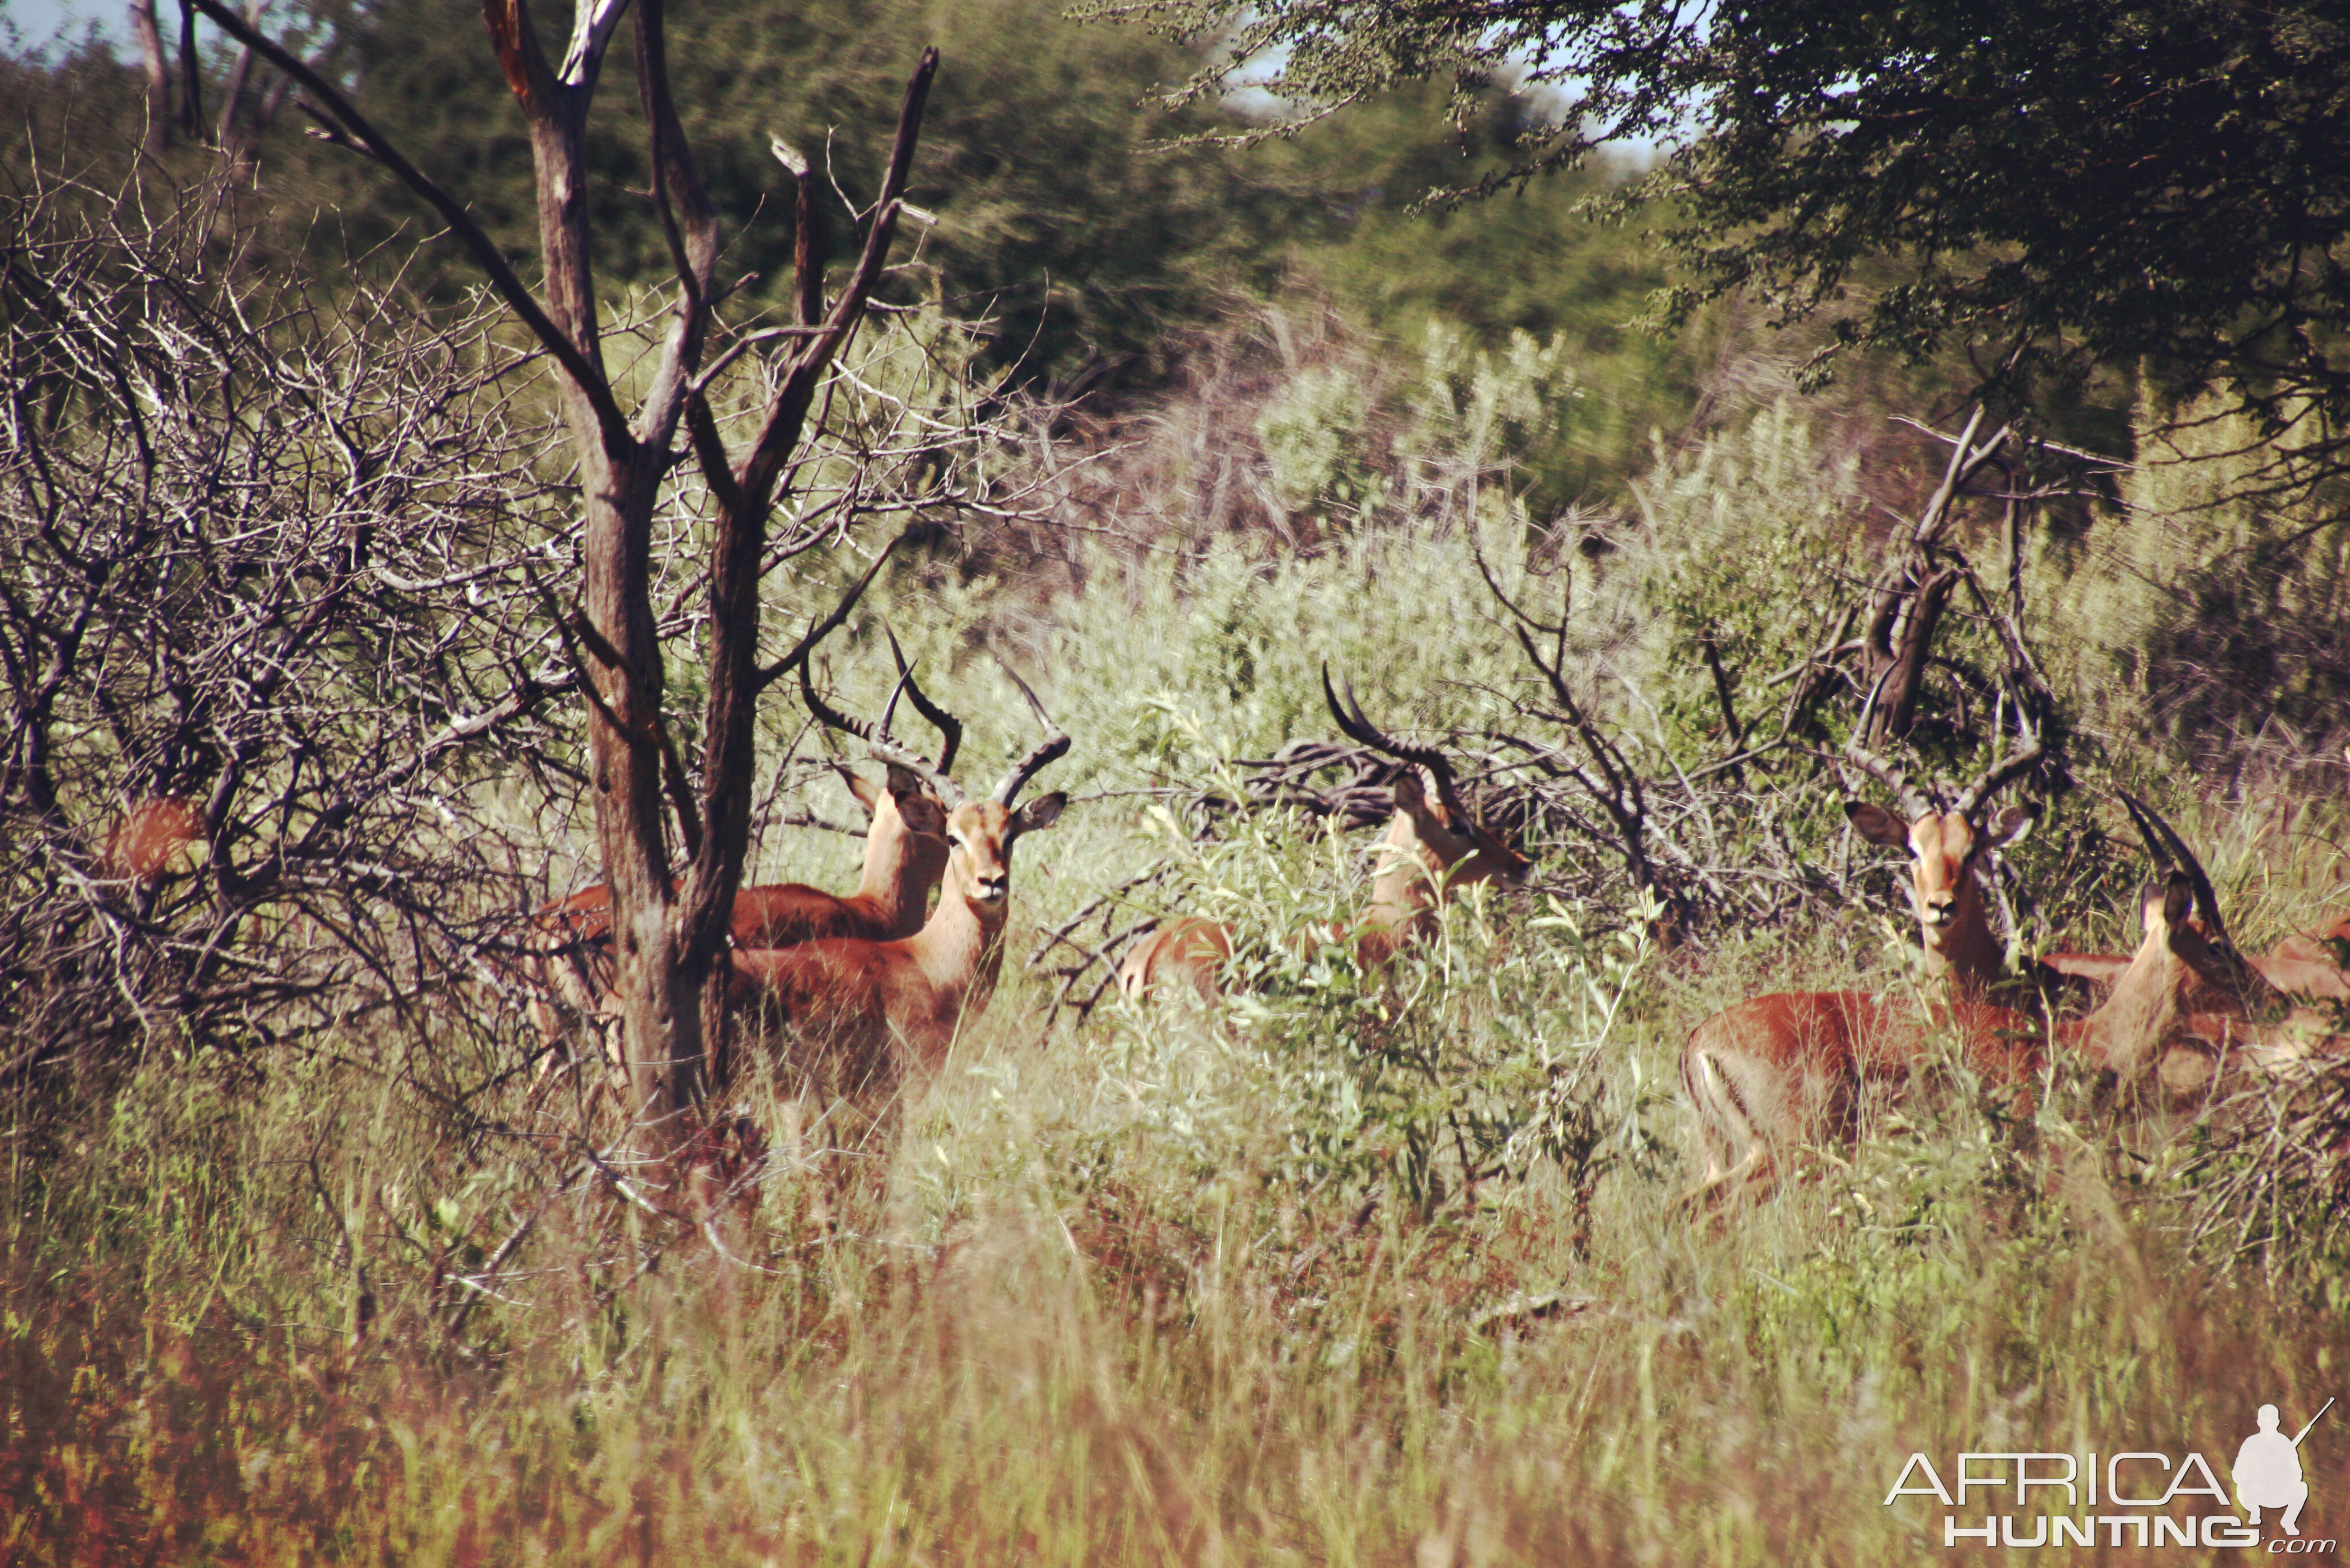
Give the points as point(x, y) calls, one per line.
point(157, 69)
point(1899, 643)
point(746, 494)
point(664, 954)
point(191, 77)
point(240, 75)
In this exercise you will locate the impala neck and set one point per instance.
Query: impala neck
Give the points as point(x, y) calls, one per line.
point(961, 950)
point(1966, 951)
point(1408, 881)
point(2124, 1032)
point(2147, 1001)
point(900, 867)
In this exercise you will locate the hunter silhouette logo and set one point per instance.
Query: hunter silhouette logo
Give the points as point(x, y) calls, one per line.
point(2268, 1472)
point(2123, 1498)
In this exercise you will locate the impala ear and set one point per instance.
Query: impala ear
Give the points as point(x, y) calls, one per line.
point(2010, 826)
point(920, 813)
point(867, 793)
point(1410, 794)
point(1042, 812)
point(2175, 897)
point(1876, 825)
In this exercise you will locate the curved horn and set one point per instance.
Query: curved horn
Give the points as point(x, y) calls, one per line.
point(2010, 768)
point(885, 747)
point(1914, 801)
point(2261, 1000)
point(2207, 900)
point(1046, 750)
point(1363, 732)
point(2158, 848)
point(949, 727)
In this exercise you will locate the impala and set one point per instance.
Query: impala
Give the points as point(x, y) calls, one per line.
point(149, 838)
point(858, 1010)
point(2251, 1020)
point(1764, 1073)
point(1948, 840)
point(2309, 963)
point(1433, 847)
point(2315, 947)
point(905, 855)
point(2295, 967)
point(2304, 964)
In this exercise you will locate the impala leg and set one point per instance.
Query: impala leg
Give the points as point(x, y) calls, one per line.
point(815, 1170)
point(1723, 1186)
point(1738, 1154)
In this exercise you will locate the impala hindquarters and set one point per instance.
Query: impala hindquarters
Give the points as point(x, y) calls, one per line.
point(2310, 963)
point(150, 838)
point(1189, 951)
point(1770, 1073)
point(2321, 946)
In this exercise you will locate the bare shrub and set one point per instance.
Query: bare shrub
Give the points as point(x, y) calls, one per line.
point(266, 587)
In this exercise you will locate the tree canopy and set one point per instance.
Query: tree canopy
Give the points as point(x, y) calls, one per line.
point(2057, 183)
point(1081, 252)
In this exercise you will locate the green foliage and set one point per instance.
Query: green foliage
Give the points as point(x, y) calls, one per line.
point(1748, 541)
point(2213, 605)
point(1108, 1321)
point(2022, 163)
point(1055, 225)
point(1213, 637)
point(1357, 435)
point(1537, 265)
point(1469, 1058)
point(1311, 432)
point(1163, 1285)
point(2042, 217)
point(1370, 1267)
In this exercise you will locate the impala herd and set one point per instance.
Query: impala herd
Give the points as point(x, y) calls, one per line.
point(857, 991)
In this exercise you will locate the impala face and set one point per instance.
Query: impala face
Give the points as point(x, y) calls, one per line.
point(980, 836)
point(1458, 851)
point(908, 838)
point(1943, 848)
point(901, 806)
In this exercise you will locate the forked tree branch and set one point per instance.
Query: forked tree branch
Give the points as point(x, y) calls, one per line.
point(356, 127)
point(592, 32)
point(757, 475)
point(687, 222)
point(824, 628)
